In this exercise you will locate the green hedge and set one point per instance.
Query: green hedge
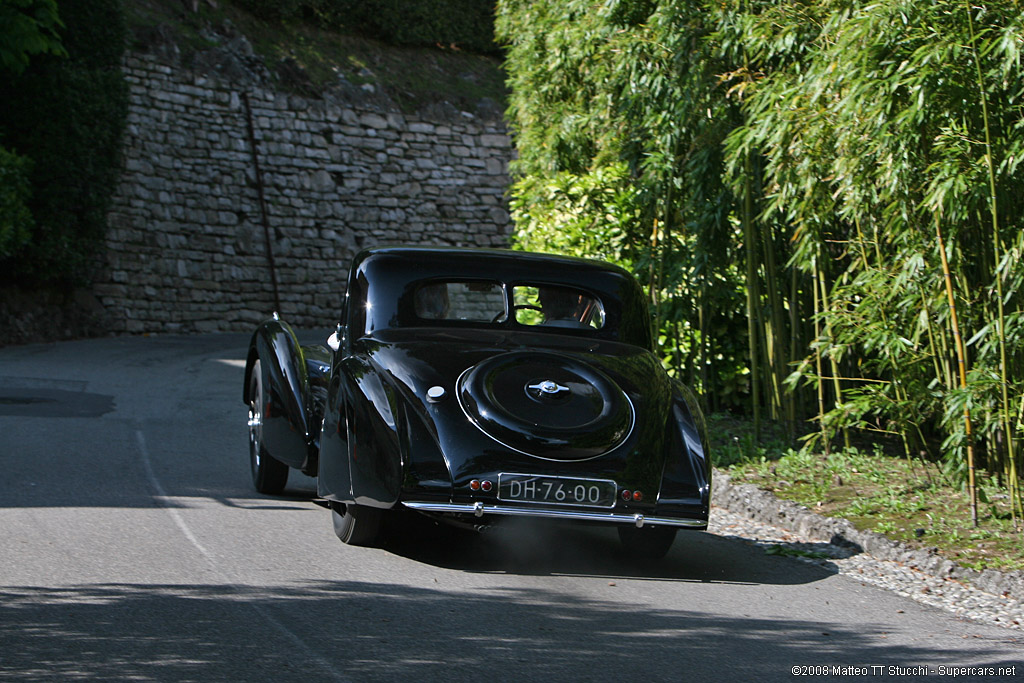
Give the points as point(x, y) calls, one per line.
point(67, 115)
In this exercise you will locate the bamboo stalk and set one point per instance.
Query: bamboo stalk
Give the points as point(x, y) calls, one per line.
point(901, 394)
point(791, 396)
point(836, 386)
point(654, 283)
point(753, 315)
point(961, 359)
point(774, 334)
point(703, 324)
point(1014, 480)
point(753, 296)
point(933, 345)
point(997, 243)
point(817, 360)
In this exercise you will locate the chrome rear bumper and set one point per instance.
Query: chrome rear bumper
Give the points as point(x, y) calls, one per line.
point(479, 510)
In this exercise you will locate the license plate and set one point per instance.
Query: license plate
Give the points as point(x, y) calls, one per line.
point(530, 488)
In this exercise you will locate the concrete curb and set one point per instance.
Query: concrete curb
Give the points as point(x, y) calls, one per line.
point(765, 507)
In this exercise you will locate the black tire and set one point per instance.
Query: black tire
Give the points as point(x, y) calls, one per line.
point(357, 524)
point(268, 475)
point(648, 543)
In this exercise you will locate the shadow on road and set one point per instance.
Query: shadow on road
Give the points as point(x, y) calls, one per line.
point(373, 631)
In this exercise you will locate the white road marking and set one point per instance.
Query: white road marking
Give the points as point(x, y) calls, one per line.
point(233, 362)
point(179, 521)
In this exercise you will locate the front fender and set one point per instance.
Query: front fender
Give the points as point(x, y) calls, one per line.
point(286, 433)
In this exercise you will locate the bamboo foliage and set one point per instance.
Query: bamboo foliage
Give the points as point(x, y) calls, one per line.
point(842, 147)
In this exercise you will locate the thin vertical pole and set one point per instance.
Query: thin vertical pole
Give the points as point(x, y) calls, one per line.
point(263, 202)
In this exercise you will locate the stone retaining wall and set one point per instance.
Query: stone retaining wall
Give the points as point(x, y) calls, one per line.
point(186, 249)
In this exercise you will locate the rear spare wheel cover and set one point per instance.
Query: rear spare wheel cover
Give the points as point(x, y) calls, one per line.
point(546, 404)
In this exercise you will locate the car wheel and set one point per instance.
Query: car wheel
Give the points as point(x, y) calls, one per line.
point(649, 543)
point(357, 524)
point(268, 475)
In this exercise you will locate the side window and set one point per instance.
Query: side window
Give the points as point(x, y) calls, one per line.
point(554, 306)
point(467, 301)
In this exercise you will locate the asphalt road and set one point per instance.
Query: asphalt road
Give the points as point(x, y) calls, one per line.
point(132, 546)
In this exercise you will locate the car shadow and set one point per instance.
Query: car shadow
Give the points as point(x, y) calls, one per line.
point(545, 548)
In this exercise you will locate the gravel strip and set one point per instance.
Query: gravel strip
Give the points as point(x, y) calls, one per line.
point(781, 527)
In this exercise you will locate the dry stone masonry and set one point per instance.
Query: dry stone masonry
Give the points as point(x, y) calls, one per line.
point(186, 250)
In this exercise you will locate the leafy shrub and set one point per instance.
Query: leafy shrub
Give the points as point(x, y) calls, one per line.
point(276, 10)
point(27, 27)
point(466, 24)
point(67, 116)
point(15, 190)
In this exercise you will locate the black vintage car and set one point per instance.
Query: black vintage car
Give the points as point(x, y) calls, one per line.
point(472, 385)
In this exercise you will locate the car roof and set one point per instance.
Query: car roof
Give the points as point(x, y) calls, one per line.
point(389, 270)
point(507, 260)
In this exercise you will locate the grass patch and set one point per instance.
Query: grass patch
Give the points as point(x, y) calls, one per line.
point(913, 502)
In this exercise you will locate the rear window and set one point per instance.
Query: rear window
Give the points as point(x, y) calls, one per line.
point(534, 305)
point(468, 301)
point(551, 306)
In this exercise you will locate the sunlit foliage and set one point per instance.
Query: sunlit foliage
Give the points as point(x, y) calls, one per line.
point(785, 178)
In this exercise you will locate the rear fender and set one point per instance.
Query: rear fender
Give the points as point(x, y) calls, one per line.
point(361, 449)
point(286, 433)
point(374, 445)
point(426, 473)
point(686, 481)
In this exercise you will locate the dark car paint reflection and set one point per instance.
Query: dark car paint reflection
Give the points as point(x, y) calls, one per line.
point(438, 382)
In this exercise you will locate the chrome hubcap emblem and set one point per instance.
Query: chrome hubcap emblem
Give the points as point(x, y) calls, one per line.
point(546, 389)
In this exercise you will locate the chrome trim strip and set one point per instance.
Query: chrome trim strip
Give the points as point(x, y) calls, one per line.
point(479, 509)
